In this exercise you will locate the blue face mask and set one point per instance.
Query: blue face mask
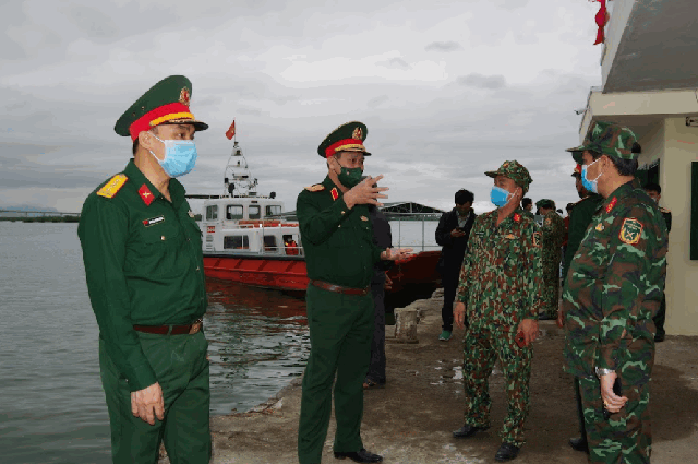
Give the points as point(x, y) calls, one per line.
point(499, 196)
point(590, 185)
point(180, 157)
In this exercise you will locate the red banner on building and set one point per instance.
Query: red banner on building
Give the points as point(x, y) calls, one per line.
point(601, 19)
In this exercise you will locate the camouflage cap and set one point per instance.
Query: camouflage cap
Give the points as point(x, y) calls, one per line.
point(608, 139)
point(513, 170)
point(545, 204)
point(347, 137)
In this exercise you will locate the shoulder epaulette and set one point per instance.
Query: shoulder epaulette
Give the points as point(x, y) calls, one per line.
point(316, 188)
point(112, 186)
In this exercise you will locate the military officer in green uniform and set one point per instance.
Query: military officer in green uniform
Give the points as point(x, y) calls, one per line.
point(500, 288)
point(655, 193)
point(337, 238)
point(553, 235)
point(144, 272)
point(613, 288)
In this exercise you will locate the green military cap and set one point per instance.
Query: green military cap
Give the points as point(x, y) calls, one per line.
point(545, 204)
point(513, 170)
point(609, 139)
point(167, 102)
point(347, 137)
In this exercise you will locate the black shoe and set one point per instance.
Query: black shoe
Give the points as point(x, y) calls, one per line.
point(658, 338)
point(467, 431)
point(506, 452)
point(579, 444)
point(359, 456)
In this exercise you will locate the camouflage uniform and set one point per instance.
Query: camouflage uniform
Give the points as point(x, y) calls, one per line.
point(500, 284)
point(553, 235)
point(613, 288)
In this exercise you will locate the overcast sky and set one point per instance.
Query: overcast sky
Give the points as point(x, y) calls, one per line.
point(447, 89)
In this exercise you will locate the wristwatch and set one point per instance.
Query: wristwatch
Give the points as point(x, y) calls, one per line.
point(600, 372)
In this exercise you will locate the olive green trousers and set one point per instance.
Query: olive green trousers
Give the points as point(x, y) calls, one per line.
point(341, 329)
point(181, 367)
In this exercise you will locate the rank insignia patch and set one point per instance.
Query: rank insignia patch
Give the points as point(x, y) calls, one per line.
point(153, 221)
point(113, 186)
point(536, 239)
point(599, 226)
point(146, 195)
point(510, 236)
point(631, 232)
point(335, 194)
point(364, 218)
point(316, 188)
point(610, 206)
point(517, 218)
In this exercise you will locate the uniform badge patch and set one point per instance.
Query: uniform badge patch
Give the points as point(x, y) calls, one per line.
point(113, 186)
point(517, 218)
point(146, 195)
point(316, 188)
point(153, 221)
point(599, 226)
point(548, 221)
point(356, 134)
point(185, 96)
point(610, 206)
point(335, 194)
point(631, 231)
point(364, 218)
point(510, 236)
point(536, 239)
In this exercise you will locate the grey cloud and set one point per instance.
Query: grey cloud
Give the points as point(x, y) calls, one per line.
point(395, 63)
point(377, 101)
point(445, 46)
point(92, 22)
point(496, 81)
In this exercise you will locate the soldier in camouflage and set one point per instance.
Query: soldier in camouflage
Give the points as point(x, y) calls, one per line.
point(500, 287)
point(614, 286)
point(553, 235)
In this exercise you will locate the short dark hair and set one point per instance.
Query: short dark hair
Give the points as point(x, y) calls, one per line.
point(136, 144)
point(625, 167)
point(569, 207)
point(525, 202)
point(652, 187)
point(464, 196)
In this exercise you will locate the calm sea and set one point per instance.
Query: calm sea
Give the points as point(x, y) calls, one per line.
point(52, 407)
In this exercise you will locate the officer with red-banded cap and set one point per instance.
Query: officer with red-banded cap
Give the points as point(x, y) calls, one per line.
point(144, 271)
point(337, 238)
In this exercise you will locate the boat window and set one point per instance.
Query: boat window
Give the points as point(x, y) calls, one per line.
point(273, 210)
point(236, 242)
point(234, 212)
point(291, 244)
point(270, 243)
point(211, 212)
point(255, 212)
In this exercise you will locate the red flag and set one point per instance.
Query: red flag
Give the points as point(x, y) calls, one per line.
point(231, 131)
point(601, 18)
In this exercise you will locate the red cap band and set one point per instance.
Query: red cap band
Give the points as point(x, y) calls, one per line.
point(157, 116)
point(343, 145)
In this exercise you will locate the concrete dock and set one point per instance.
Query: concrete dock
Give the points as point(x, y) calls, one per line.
point(412, 419)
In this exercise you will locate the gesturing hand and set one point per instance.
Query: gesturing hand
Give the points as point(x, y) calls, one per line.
point(365, 193)
point(396, 254)
point(148, 403)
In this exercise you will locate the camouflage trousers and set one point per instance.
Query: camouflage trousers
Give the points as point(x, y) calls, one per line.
point(551, 283)
point(626, 436)
point(482, 348)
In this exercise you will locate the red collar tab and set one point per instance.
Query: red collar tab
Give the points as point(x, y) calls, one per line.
point(517, 218)
point(610, 206)
point(335, 194)
point(146, 195)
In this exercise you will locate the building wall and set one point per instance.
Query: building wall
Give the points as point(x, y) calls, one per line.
point(680, 149)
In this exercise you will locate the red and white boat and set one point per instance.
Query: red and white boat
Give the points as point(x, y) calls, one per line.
point(248, 238)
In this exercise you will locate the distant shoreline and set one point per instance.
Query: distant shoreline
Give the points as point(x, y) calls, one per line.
point(42, 219)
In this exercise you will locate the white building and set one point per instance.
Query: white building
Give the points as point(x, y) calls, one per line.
point(650, 84)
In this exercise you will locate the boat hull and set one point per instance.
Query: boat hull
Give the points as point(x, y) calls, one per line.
point(289, 272)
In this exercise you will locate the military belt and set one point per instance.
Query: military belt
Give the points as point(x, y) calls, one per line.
point(170, 329)
point(341, 289)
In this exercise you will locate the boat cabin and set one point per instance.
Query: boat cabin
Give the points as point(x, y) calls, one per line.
point(248, 226)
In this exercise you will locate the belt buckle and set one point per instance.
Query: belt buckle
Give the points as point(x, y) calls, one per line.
point(196, 326)
point(333, 288)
